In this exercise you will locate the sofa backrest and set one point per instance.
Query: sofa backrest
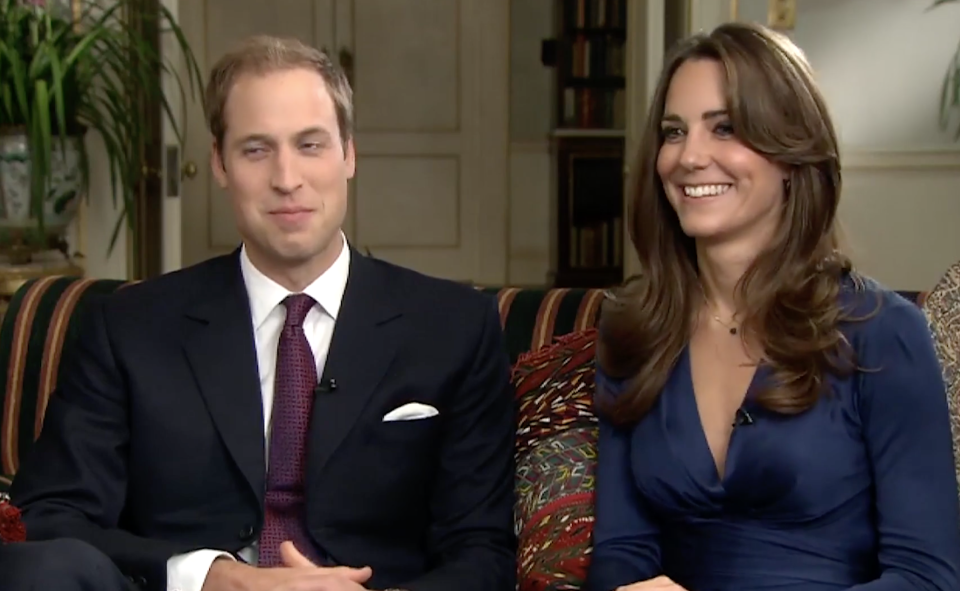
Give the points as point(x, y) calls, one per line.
point(42, 319)
point(41, 323)
point(533, 318)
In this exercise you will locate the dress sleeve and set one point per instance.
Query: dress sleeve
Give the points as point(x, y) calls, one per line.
point(626, 545)
point(906, 428)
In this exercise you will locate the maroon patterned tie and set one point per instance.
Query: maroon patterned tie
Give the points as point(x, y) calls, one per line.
point(293, 399)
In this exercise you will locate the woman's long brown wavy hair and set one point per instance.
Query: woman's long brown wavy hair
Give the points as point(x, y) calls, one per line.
point(789, 295)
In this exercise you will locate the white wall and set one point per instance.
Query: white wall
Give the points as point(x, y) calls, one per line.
point(880, 64)
point(90, 233)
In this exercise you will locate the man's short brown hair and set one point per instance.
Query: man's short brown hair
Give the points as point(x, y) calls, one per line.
point(263, 54)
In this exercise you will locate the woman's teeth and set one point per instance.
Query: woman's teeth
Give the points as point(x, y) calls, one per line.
point(704, 190)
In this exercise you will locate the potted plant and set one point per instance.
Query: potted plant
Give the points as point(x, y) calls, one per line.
point(66, 69)
point(950, 89)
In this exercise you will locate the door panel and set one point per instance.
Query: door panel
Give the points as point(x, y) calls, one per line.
point(430, 97)
point(414, 85)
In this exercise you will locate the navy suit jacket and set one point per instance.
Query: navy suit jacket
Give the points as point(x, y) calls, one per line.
point(153, 440)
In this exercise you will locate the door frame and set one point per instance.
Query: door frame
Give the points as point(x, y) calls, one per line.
point(155, 248)
point(146, 244)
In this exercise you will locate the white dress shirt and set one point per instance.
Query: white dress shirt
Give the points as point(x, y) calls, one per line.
point(187, 572)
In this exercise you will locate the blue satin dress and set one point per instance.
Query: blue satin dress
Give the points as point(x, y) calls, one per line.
point(859, 493)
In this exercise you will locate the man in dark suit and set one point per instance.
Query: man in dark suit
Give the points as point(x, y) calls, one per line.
point(294, 414)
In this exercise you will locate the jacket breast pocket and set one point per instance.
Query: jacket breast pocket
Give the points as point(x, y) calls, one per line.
point(411, 430)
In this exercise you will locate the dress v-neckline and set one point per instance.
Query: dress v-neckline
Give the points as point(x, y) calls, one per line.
point(702, 455)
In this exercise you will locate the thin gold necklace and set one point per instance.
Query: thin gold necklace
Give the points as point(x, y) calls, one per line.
point(734, 329)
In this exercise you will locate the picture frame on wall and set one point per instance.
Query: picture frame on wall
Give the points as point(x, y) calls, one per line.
point(776, 14)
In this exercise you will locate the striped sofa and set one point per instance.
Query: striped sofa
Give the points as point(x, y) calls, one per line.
point(556, 432)
point(41, 322)
point(42, 318)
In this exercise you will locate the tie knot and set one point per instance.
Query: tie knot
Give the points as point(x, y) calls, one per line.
point(297, 307)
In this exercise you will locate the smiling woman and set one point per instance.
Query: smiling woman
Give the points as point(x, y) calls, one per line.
point(768, 415)
point(742, 190)
point(734, 211)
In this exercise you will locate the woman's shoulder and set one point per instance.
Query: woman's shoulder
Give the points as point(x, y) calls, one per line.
point(871, 309)
point(608, 385)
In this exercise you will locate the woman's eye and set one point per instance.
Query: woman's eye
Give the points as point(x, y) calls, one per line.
point(670, 133)
point(724, 130)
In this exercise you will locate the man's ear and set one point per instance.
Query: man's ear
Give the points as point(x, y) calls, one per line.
point(216, 165)
point(350, 156)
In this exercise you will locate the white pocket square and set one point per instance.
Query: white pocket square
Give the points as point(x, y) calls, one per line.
point(411, 411)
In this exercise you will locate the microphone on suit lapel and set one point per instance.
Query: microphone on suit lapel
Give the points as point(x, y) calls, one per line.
point(325, 387)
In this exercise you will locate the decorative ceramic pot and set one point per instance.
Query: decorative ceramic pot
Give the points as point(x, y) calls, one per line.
point(19, 227)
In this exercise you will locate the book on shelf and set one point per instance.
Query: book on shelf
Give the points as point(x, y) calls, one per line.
point(594, 108)
point(590, 14)
point(596, 245)
point(593, 72)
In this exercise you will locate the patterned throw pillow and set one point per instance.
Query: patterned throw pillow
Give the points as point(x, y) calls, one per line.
point(942, 309)
point(556, 453)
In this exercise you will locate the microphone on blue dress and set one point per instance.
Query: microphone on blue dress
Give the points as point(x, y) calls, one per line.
point(742, 418)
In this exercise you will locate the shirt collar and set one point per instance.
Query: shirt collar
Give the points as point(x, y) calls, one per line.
point(265, 294)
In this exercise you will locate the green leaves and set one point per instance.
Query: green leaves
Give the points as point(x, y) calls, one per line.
point(939, 2)
point(59, 79)
point(950, 88)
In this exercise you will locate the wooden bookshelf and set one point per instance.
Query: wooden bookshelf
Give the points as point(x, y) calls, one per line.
point(590, 212)
point(588, 141)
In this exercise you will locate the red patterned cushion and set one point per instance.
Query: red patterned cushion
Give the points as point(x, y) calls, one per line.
point(556, 452)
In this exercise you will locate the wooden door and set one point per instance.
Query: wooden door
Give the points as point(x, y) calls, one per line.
point(431, 108)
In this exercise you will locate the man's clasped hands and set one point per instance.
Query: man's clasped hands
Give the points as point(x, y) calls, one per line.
point(297, 573)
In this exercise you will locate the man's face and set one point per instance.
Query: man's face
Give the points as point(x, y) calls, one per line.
point(285, 166)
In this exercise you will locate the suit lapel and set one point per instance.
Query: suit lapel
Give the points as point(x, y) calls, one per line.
point(364, 343)
point(221, 351)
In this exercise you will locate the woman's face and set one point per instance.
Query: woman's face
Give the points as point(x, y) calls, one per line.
point(720, 189)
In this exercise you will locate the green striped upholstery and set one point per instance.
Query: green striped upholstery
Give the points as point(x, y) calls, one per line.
point(532, 318)
point(41, 322)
